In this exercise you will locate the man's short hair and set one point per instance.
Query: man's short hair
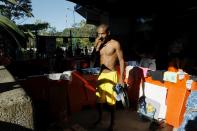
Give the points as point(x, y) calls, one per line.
point(104, 26)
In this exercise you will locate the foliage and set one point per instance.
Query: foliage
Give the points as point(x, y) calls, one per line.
point(16, 9)
point(11, 28)
point(33, 27)
point(59, 42)
point(81, 30)
point(43, 28)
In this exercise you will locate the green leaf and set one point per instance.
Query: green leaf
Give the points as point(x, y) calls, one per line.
point(29, 14)
point(6, 22)
point(15, 3)
point(12, 1)
point(29, 34)
point(11, 28)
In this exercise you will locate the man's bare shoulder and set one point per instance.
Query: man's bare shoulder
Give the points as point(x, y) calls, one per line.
point(115, 43)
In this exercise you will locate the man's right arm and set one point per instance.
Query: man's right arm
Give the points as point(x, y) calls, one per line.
point(98, 43)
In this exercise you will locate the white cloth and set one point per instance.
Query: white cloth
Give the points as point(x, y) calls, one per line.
point(54, 76)
point(189, 84)
point(170, 76)
point(181, 74)
point(132, 63)
point(128, 68)
point(157, 94)
point(67, 75)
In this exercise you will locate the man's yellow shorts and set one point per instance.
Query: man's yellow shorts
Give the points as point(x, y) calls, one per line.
point(106, 83)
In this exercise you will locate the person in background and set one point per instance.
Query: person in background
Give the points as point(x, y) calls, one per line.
point(86, 50)
point(78, 50)
point(148, 61)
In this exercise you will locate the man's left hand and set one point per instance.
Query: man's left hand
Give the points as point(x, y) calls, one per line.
point(121, 83)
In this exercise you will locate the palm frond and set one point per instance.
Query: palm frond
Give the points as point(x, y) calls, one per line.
point(10, 1)
point(11, 28)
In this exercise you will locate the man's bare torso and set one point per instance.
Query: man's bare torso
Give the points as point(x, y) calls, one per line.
point(108, 56)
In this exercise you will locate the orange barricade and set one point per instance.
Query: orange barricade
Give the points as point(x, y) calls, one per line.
point(194, 86)
point(176, 99)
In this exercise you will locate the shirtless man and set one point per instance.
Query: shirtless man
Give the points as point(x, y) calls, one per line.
point(110, 53)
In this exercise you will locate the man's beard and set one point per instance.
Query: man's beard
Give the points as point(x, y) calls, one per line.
point(104, 39)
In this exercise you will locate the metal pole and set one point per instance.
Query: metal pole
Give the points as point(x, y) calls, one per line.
point(72, 33)
point(74, 17)
point(71, 41)
point(74, 30)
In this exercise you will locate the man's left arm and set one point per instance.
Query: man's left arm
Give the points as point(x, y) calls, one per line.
point(121, 62)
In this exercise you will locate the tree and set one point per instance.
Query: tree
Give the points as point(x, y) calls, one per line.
point(52, 30)
point(11, 28)
point(16, 9)
point(81, 30)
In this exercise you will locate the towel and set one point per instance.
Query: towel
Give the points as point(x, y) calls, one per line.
point(170, 76)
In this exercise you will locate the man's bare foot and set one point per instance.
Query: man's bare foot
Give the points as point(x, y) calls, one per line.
point(96, 124)
point(111, 128)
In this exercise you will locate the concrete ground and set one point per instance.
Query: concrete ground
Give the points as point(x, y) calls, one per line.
point(126, 120)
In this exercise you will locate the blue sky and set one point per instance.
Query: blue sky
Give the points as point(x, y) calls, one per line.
point(59, 13)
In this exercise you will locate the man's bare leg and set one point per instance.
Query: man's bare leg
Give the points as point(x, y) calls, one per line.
point(112, 109)
point(100, 113)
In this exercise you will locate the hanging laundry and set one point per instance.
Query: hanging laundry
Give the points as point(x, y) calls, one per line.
point(170, 76)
